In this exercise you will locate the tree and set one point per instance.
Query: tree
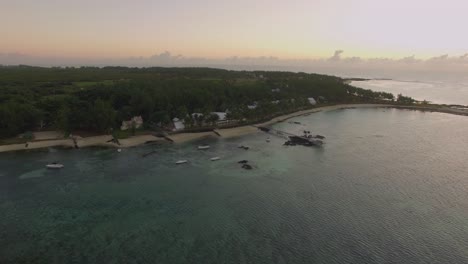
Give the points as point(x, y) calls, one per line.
point(103, 115)
point(405, 99)
point(62, 120)
point(212, 119)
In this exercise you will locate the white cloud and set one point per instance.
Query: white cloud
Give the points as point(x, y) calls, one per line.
point(336, 56)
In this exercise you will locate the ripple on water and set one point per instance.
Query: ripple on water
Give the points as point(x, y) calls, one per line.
point(33, 174)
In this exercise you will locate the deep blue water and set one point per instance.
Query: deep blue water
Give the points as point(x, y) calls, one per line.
point(389, 186)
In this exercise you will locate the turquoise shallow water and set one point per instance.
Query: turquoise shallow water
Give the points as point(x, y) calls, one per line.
point(389, 186)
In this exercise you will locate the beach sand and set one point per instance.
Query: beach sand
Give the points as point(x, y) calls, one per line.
point(184, 137)
point(139, 140)
point(237, 131)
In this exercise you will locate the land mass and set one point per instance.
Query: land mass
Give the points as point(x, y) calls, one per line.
point(123, 107)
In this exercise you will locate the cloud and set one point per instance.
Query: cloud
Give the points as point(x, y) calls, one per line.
point(336, 64)
point(353, 60)
point(409, 59)
point(439, 58)
point(336, 56)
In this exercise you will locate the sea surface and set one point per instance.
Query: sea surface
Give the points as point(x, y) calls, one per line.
point(435, 90)
point(389, 186)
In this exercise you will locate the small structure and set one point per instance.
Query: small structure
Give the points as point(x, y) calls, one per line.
point(312, 101)
point(178, 124)
point(252, 106)
point(275, 102)
point(276, 90)
point(135, 122)
point(221, 115)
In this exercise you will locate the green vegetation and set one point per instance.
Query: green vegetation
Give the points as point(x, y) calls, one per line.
point(99, 99)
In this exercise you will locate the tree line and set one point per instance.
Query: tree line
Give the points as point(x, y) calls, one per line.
point(99, 99)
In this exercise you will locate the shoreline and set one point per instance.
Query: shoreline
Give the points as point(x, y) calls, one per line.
point(103, 140)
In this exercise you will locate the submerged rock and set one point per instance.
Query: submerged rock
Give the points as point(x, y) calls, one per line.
point(246, 167)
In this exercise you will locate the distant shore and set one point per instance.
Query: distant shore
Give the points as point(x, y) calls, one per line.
point(106, 140)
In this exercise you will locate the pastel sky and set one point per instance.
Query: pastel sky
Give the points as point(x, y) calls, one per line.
point(293, 29)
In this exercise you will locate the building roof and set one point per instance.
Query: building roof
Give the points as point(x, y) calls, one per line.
point(221, 115)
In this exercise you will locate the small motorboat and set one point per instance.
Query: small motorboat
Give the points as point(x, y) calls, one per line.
point(54, 165)
point(203, 147)
point(215, 158)
point(119, 150)
point(181, 162)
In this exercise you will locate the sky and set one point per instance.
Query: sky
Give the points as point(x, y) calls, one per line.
point(121, 31)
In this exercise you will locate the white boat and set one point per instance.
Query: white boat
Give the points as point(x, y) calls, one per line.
point(54, 166)
point(203, 147)
point(181, 162)
point(215, 158)
point(119, 150)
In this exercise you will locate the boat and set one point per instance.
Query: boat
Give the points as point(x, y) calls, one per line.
point(55, 165)
point(181, 162)
point(268, 140)
point(203, 147)
point(215, 158)
point(119, 150)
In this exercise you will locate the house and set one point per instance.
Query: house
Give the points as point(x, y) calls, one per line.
point(312, 101)
point(221, 115)
point(277, 90)
point(252, 106)
point(135, 122)
point(178, 124)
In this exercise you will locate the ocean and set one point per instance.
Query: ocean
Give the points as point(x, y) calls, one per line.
point(388, 186)
point(437, 88)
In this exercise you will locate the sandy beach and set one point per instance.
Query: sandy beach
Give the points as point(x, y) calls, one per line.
point(104, 141)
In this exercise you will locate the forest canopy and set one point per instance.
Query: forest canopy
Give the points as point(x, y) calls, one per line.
point(98, 99)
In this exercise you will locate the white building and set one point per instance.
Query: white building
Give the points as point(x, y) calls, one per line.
point(136, 121)
point(312, 101)
point(178, 124)
point(252, 106)
point(221, 115)
point(275, 102)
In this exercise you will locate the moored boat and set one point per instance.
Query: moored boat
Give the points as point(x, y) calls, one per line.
point(55, 165)
point(181, 162)
point(215, 158)
point(203, 147)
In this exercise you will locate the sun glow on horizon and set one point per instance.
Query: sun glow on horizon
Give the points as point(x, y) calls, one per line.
point(212, 29)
